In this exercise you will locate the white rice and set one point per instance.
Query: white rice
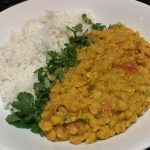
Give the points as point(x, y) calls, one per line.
point(26, 51)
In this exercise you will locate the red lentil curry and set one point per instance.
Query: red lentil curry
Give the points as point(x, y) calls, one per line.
point(105, 93)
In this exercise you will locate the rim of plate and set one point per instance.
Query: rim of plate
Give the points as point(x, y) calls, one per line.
point(25, 4)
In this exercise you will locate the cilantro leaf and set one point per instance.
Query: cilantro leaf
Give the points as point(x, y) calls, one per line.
point(53, 54)
point(95, 26)
point(59, 73)
point(35, 128)
point(98, 26)
point(12, 118)
point(41, 74)
point(76, 29)
point(47, 83)
point(25, 102)
point(26, 97)
point(29, 118)
point(21, 124)
point(86, 20)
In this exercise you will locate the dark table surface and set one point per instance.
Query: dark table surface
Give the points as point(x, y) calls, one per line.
point(8, 3)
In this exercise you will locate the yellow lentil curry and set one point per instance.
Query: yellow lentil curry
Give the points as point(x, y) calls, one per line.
point(105, 93)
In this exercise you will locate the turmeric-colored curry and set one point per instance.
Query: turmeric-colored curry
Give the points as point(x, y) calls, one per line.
point(105, 93)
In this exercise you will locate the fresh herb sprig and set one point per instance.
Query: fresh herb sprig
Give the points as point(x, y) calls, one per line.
point(28, 108)
point(95, 26)
point(27, 114)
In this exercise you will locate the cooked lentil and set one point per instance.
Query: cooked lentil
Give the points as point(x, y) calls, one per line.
point(105, 93)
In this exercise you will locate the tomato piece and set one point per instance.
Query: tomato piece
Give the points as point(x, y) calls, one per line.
point(91, 36)
point(77, 126)
point(120, 43)
point(130, 68)
point(107, 109)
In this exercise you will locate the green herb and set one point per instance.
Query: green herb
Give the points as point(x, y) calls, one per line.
point(76, 29)
point(98, 26)
point(95, 26)
point(24, 117)
point(25, 102)
point(86, 20)
point(12, 118)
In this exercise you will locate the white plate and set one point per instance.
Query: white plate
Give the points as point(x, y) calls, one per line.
point(130, 12)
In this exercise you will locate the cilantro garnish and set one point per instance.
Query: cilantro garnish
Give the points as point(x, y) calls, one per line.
point(95, 26)
point(76, 29)
point(27, 114)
